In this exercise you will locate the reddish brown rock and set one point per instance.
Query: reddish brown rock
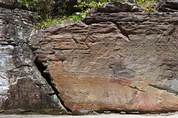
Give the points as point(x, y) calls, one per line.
point(119, 61)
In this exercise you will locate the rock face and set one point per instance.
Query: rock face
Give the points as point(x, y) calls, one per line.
point(112, 62)
point(22, 87)
point(115, 7)
point(168, 6)
point(117, 62)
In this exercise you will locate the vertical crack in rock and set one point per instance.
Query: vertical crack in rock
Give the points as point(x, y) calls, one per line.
point(46, 75)
point(123, 32)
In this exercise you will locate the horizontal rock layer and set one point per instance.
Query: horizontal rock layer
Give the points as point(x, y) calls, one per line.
point(168, 6)
point(119, 61)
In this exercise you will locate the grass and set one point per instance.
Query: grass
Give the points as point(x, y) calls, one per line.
point(148, 6)
point(57, 21)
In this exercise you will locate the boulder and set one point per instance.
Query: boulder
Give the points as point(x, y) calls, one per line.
point(23, 88)
point(168, 6)
point(115, 7)
point(117, 62)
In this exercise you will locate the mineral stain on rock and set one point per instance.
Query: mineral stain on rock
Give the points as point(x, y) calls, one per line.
point(120, 71)
point(103, 70)
point(123, 61)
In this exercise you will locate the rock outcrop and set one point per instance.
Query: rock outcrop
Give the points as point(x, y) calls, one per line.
point(117, 62)
point(168, 6)
point(115, 7)
point(111, 62)
point(22, 87)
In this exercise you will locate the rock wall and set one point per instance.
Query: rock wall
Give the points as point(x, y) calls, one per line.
point(114, 62)
point(22, 87)
point(111, 62)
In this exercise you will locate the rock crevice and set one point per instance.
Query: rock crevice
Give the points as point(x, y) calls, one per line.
point(113, 62)
point(22, 87)
point(47, 77)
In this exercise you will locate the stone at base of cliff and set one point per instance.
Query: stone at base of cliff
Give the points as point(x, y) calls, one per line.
point(37, 111)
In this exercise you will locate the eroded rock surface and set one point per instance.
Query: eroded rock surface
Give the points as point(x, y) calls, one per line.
point(118, 61)
point(115, 7)
point(168, 6)
point(22, 87)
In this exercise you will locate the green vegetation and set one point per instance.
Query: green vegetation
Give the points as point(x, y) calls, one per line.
point(1, 112)
point(85, 7)
point(148, 6)
point(42, 7)
point(57, 21)
point(48, 10)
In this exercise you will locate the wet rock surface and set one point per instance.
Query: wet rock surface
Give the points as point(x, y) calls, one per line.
point(117, 62)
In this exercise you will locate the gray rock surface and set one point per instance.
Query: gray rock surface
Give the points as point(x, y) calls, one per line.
point(96, 116)
point(113, 62)
point(22, 87)
point(115, 7)
point(168, 6)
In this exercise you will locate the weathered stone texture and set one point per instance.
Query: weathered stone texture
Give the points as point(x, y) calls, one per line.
point(167, 6)
point(119, 61)
point(22, 86)
point(115, 7)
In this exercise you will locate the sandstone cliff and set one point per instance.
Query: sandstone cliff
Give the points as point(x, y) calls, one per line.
point(110, 62)
point(114, 62)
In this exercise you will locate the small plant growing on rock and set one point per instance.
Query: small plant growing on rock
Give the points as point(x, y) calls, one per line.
point(85, 7)
point(57, 21)
point(148, 6)
point(34, 40)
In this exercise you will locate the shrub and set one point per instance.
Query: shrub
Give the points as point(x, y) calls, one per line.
point(85, 7)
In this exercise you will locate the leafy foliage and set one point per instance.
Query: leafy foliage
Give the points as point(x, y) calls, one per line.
point(57, 21)
point(85, 7)
point(47, 9)
point(148, 6)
